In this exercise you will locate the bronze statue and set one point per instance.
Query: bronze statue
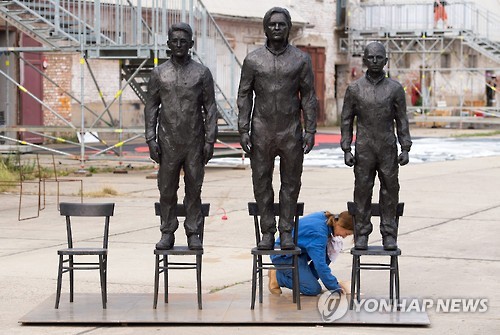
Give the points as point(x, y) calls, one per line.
point(281, 78)
point(181, 104)
point(376, 102)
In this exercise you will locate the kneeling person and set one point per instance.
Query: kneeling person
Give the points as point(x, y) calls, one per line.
point(319, 237)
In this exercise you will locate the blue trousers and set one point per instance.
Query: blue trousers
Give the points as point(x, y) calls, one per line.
point(308, 277)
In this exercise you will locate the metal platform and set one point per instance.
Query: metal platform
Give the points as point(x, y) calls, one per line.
point(218, 308)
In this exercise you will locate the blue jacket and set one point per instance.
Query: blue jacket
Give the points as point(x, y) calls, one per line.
point(313, 238)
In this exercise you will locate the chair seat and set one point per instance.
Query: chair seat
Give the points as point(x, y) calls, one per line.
point(295, 251)
point(375, 250)
point(179, 250)
point(82, 251)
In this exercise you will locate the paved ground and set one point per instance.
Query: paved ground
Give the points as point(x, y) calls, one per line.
point(449, 237)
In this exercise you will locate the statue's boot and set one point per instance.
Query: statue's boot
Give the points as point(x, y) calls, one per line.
point(286, 241)
point(389, 243)
point(166, 242)
point(361, 242)
point(267, 242)
point(194, 242)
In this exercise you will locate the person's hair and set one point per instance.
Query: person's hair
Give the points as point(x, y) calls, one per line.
point(180, 26)
point(281, 10)
point(344, 219)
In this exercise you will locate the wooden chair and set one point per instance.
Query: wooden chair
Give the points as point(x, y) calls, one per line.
point(259, 265)
point(162, 257)
point(378, 250)
point(67, 256)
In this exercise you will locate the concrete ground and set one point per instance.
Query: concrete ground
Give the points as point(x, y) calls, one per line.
point(448, 235)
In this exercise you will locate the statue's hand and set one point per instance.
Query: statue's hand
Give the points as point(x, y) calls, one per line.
point(245, 143)
point(403, 158)
point(208, 152)
point(349, 159)
point(154, 151)
point(308, 142)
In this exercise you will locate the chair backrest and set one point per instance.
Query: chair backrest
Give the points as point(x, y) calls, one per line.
point(352, 208)
point(105, 210)
point(180, 211)
point(253, 210)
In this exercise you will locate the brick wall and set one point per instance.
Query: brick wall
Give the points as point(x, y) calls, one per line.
point(59, 67)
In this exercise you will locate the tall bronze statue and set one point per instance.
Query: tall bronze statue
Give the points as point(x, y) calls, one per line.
point(181, 105)
point(376, 102)
point(281, 78)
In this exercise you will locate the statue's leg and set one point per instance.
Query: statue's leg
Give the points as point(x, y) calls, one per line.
point(168, 183)
point(194, 171)
point(364, 178)
point(389, 192)
point(262, 163)
point(291, 162)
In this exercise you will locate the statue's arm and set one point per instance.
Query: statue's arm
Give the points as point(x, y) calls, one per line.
point(245, 97)
point(152, 107)
point(309, 101)
point(210, 108)
point(347, 120)
point(402, 124)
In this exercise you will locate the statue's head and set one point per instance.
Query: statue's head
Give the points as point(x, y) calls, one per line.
point(375, 57)
point(180, 39)
point(277, 24)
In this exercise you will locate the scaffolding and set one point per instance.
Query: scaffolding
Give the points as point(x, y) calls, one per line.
point(438, 64)
point(132, 32)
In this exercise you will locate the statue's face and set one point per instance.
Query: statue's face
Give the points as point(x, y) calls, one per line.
point(374, 58)
point(180, 43)
point(277, 29)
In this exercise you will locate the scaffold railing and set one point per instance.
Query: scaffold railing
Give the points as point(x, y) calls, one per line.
point(125, 30)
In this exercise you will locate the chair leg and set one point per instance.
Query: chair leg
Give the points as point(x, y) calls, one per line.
point(358, 278)
point(397, 280)
point(157, 279)
point(260, 273)
point(101, 272)
point(296, 281)
point(59, 281)
point(105, 259)
point(165, 277)
point(254, 281)
point(391, 281)
point(71, 279)
point(353, 282)
point(198, 279)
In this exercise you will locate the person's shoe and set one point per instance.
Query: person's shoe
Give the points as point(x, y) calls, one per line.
point(194, 242)
point(273, 285)
point(166, 242)
point(389, 243)
point(361, 242)
point(267, 242)
point(286, 241)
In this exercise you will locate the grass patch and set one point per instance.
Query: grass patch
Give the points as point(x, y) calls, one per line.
point(220, 288)
point(105, 192)
point(7, 177)
point(485, 134)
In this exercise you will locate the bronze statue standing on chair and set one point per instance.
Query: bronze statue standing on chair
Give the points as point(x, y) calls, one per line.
point(181, 104)
point(281, 77)
point(377, 103)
